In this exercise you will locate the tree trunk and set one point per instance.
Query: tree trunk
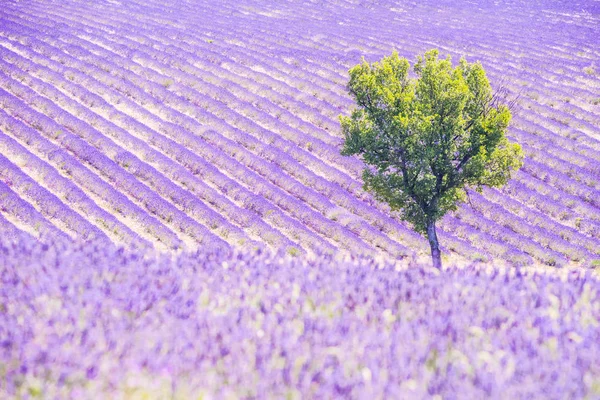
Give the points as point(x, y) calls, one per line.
point(436, 256)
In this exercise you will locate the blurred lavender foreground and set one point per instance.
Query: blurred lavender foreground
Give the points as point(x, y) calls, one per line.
point(92, 321)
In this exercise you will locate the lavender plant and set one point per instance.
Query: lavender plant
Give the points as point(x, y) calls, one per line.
point(244, 324)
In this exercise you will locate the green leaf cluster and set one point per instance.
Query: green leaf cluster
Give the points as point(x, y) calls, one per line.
point(427, 133)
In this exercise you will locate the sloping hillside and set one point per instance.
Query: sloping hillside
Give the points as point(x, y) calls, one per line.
point(206, 124)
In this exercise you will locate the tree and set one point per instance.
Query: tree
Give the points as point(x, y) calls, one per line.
point(427, 138)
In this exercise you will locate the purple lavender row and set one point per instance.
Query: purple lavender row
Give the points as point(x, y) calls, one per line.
point(190, 37)
point(50, 206)
point(297, 230)
point(270, 171)
point(69, 166)
point(561, 127)
point(551, 235)
point(316, 146)
point(578, 122)
point(316, 105)
point(9, 231)
point(126, 89)
point(329, 190)
point(314, 88)
point(165, 187)
point(270, 138)
point(575, 127)
point(561, 110)
point(305, 105)
point(243, 217)
point(582, 176)
point(72, 166)
point(503, 71)
point(233, 102)
point(191, 51)
point(567, 167)
point(540, 219)
point(388, 47)
point(508, 236)
point(184, 199)
point(482, 244)
point(66, 189)
point(537, 54)
point(219, 86)
point(388, 230)
point(76, 143)
point(556, 83)
point(126, 49)
point(580, 146)
point(568, 94)
point(306, 176)
point(461, 245)
point(32, 220)
point(561, 206)
point(287, 43)
point(547, 81)
point(557, 210)
point(413, 239)
point(274, 43)
point(305, 50)
point(585, 167)
point(265, 135)
point(332, 230)
point(199, 166)
point(378, 28)
point(562, 182)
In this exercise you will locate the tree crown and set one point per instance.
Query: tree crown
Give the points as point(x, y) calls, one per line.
point(426, 138)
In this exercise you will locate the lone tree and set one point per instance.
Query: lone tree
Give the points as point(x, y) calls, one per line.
point(427, 138)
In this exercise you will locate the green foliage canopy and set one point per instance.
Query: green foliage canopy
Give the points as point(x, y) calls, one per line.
point(426, 138)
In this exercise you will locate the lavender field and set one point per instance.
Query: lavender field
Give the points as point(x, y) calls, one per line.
point(176, 218)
